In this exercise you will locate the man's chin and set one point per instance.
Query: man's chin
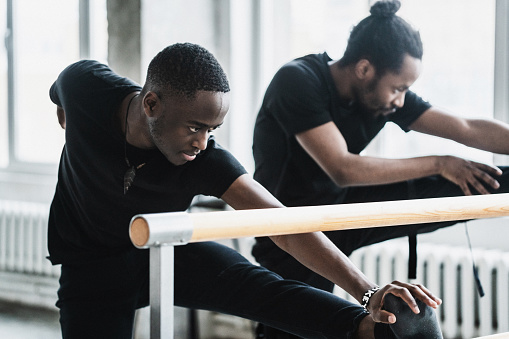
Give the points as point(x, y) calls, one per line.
point(383, 112)
point(371, 114)
point(176, 161)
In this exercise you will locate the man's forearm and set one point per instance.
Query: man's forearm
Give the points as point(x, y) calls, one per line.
point(363, 170)
point(318, 253)
point(488, 135)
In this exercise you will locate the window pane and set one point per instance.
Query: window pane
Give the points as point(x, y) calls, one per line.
point(458, 75)
point(4, 149)
point(302, 27)
point(98, 31)
point(323, 25)
point(458, 70)
point(46, 39)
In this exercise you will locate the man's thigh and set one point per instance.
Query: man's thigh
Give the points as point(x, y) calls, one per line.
point(217, 278)
point(428, 187)
point(99, 300)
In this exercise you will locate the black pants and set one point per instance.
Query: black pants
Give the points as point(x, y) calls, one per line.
point(98, 300)
point(270, 256)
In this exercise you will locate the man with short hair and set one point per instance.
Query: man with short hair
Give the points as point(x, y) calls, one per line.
point(319, 114)
point(132, 150)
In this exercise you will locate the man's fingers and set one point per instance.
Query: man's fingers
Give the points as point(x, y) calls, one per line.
point(479, 187)
point(408, 292)
point(404, 294)
point(422, 293)
point(385, 317)
point(488, 179)
point(479, 177)
point(487, 168)
point(464, 187)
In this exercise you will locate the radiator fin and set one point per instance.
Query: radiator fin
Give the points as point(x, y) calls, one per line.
point(23, 228)
point(448, 272)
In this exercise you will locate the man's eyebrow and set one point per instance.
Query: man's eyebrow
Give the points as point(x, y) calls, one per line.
point(202, 125)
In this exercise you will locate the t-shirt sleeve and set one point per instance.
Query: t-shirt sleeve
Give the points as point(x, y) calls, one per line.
point(215, 170)
point(85, 78)
point(53, 95)
point(296, 98)
point(412, 109)
point(66, 81)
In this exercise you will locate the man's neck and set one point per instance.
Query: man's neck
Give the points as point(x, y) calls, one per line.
point(135, 123)
point(344, 78)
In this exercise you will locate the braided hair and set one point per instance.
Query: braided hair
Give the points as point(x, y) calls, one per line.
point(383, 38)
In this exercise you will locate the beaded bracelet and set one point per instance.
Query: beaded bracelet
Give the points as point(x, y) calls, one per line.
point(367, 296)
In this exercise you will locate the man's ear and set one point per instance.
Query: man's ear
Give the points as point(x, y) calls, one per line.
point(151, 103)
point(364, 69)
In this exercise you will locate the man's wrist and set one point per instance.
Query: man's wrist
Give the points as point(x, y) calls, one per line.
point(439, 164)
point(367, 297)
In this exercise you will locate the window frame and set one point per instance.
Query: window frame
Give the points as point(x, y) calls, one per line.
point(25, 180)
point(501, 67)
point(16, 165)
point(34, 177)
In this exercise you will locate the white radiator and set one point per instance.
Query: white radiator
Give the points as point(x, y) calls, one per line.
point(448, 272)
point(26, 275)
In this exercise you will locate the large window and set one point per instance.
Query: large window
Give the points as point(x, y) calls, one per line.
point(458, 62)
point(458, 71)
point(252, 39)
point(4, 129)
point(42, 37)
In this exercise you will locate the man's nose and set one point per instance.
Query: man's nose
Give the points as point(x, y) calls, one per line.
point(399, 101)
point(201, 140)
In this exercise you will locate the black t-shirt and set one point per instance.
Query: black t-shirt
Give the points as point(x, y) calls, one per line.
point(301, 96)
point(90, 215)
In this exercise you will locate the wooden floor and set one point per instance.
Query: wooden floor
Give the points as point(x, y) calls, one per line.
point(19, 322)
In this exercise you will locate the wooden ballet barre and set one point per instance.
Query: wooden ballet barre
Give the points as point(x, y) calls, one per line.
point(175, 228)
point(156, 230)
point(496, 336)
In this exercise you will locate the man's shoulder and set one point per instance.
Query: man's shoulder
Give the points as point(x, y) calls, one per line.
point(303, 71)
point(84, 66)
point(310, 63)
point(413, 108)
point(94, 75)
point(80, 73)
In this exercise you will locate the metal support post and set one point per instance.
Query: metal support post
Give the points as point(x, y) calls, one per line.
point(161, 292)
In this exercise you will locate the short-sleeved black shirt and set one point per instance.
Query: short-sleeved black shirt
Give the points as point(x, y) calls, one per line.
point(90, 215)
point(302, 95)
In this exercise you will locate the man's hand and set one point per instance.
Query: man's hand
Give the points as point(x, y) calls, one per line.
point(61, 116)
point(467, 174)
point(407, 292)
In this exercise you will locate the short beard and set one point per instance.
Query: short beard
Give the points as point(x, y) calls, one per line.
point(154, 126)
point(372, 85)
point(367, 112)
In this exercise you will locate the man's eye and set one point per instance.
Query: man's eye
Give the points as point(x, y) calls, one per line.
point(194, 129)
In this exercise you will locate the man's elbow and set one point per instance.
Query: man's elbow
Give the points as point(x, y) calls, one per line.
point(61, 116)
point(342, 179)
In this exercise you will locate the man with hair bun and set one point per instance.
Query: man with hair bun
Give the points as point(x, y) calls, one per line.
point(319, 114)
point(131, 150)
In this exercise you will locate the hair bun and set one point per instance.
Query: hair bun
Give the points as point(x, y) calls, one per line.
point(385, 8)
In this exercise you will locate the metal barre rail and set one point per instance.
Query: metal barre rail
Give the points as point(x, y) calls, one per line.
point(156, 230)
